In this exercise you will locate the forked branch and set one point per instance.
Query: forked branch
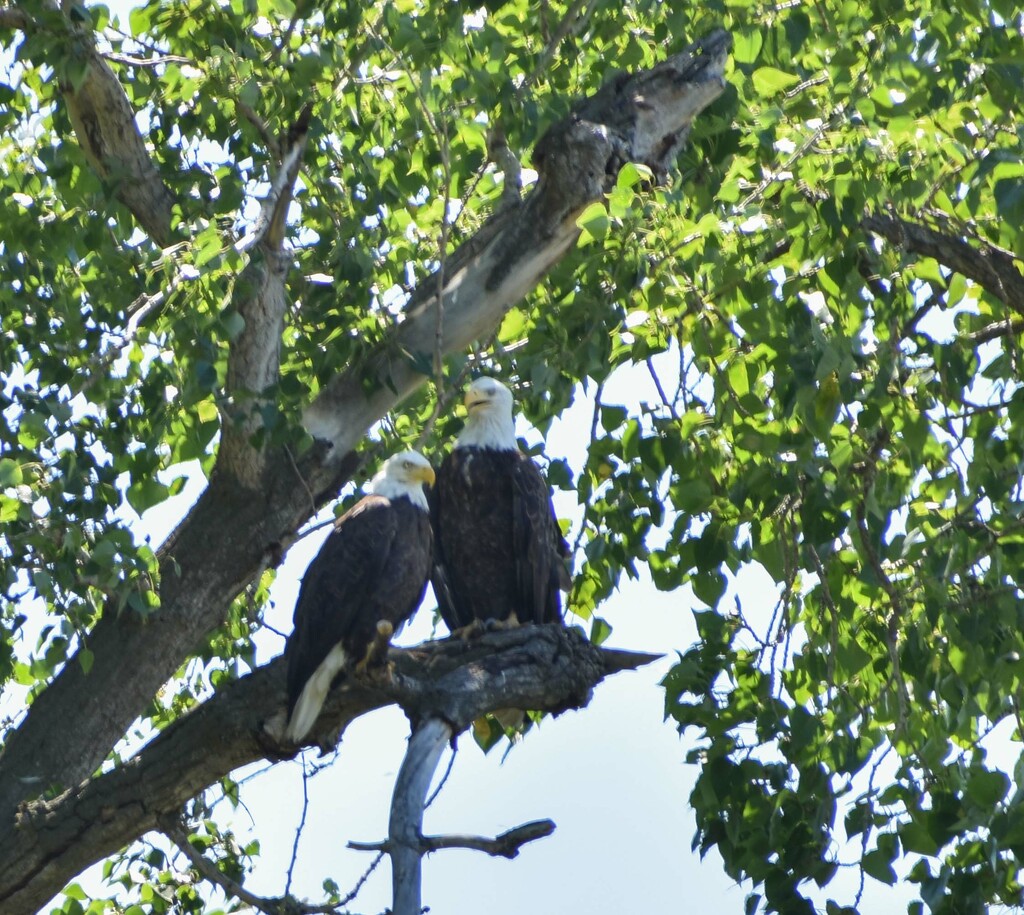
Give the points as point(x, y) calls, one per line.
point(406, 843)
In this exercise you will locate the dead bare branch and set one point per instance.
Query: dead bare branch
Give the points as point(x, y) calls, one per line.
point(506, 845)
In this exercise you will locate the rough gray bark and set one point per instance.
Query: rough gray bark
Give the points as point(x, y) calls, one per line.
point(547, 668)
point(241, 524)
point(261, 300)
point(104, 123)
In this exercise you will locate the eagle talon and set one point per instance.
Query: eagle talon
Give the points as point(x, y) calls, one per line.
point(510, 622)
point(472, 631)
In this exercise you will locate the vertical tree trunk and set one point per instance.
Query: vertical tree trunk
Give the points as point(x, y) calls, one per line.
point(405, 829)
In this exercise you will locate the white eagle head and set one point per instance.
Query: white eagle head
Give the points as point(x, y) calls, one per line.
point(490, 423)
point(404, 475)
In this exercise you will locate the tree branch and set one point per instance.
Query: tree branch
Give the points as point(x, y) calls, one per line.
point(546, 668)
point(984, 263)
point(11, 17)
point(209, 871)
point(104, 122)
point(506, 845)
point(157, 60)
point(1008, 328)
point(575, 18)
point(640, 118)
point(406, 843)
point(261, 300)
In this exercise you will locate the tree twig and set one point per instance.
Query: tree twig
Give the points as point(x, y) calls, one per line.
point(209, 871)
point(444, 778)
point(361, 882)
point(575, 17)
point(155, 61)
point(1007, 328)
point(299, 829)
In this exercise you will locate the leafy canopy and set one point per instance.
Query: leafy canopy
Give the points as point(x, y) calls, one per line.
point(841, 406)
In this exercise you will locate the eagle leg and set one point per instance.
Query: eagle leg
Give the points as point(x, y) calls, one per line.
point(377, 651)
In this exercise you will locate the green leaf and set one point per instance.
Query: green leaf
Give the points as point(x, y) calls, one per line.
point(599, 631)
point(631, 174)
point(709, 587)
point(593, 223)
point(747, 46)
point(987, 788)
point(145, 494)
point(10, 473)
point(769, 81)
point(738, 378)
point(878, 864)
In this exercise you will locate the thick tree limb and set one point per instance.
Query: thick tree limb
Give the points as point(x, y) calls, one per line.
point(261, 300)
point(104, 123)
point(644, 118)
point(207, 561)
point(990, 267)
point(239, 527)
point(546, 668)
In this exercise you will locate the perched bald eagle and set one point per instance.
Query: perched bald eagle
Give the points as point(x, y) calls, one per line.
point(371, 569)
point(498, 550)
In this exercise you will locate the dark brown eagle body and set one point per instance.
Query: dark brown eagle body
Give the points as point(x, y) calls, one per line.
point(373, 567)
point(498, 548)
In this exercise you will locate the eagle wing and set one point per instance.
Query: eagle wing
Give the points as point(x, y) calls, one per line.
point(538, 545)
point(338, 594)
point(440, 578)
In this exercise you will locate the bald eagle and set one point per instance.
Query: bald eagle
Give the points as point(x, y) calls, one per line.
point(498, 550)
point(372, 569)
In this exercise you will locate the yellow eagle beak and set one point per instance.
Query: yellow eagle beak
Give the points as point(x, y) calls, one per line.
point(425, 475)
